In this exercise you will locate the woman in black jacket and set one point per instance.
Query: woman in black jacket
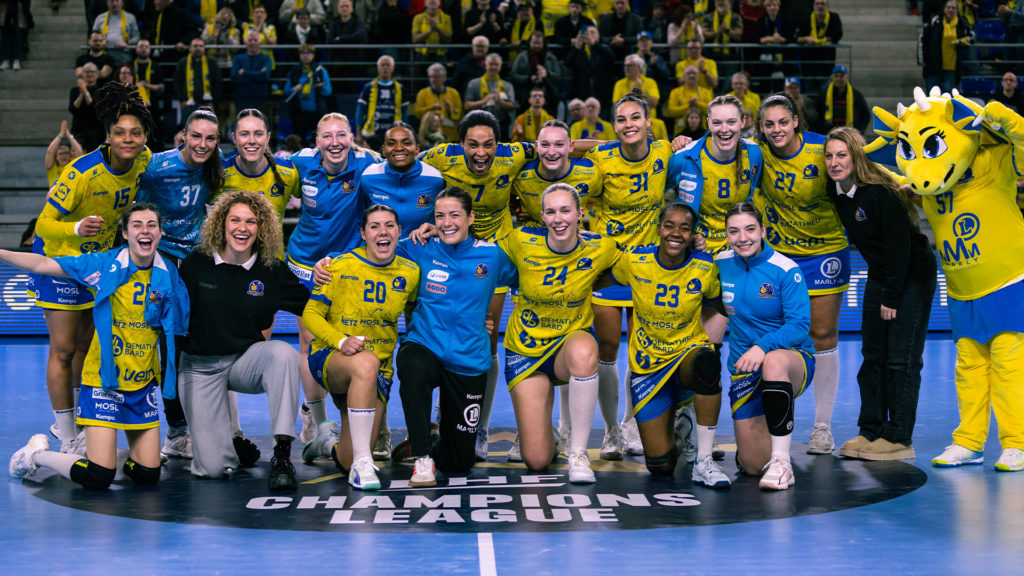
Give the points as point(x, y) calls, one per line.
point(943, 48)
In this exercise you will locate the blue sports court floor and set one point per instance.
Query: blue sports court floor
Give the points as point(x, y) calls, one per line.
point(842, 517)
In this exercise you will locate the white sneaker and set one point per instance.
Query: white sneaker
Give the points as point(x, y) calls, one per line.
point(707, 473)
point(481, 445)
point(778, 475)
point(821, 440)
point(16, 65)
point(76, 446)
point(1011, 460)
point(957, 455)
point(579, 468)
point(560, 443)
point(515, 453)
point(611, 446)
point(363, 475)
point(309, 426)
point(22, 463)
point(180, 447)
point(6, 65)
point(685, 432)
point(320, 446)
point(423, 473)
point(631, 438)
point(382, 447)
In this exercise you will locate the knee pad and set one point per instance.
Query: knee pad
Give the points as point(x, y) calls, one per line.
point(664, 465)
point(707, 373)
point(92, 476)
point(777, 399)
point(141, 475)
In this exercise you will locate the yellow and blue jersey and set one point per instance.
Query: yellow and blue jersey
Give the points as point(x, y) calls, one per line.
point(362, 299)
point(490, 191)
point(634, 192)
point(136, 357)
point(264, 183)
point(587, 130)
point(554, 288)
point(800, 219)
point(529, 185)
point(666, 304)
point(88, 186)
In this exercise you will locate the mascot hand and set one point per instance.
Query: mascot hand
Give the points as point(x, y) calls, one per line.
point(998, 117)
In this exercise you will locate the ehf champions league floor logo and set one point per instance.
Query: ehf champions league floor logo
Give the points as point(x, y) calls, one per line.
point(495, 497)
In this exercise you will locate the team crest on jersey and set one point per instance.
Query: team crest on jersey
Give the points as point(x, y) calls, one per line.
point(810, 172)
point(72, 174)
point(766, 290)
point(860, 215)
point(276, 190)
point(614, 228)
point(348, 186)
point(584, 264)
point(422, 201)
point(745, 176)
point(255, 288)
point(694, 286)
point(89, 247)
point(480, 271)
point(155, 296)
point(582, 188)
point(529, 318)
point(658, 166)
point(502, 181)
point(398, 284)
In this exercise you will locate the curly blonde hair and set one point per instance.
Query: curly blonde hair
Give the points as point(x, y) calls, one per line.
point(268, 226)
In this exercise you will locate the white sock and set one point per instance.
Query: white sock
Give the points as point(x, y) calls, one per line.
point(66, 430)
point(826, 382)
point(583, 396)
point(780, 447)
point(317, 410)
point(57, 461)
point(236, 428)
point(705, 441)
point(491, 385)
point(608, 393)
point(627, 414)
point(76, 391)
point(360, 422)
point(563, 407)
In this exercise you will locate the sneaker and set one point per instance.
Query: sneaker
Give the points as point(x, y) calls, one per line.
point(707, 473)
point(560, 444)
point(685, 433)
point(821, 440)
point(481, 445)
point(515, 453)
point(717, 452)
point(53, 431)
point(957, 455)
point(778, 475)
point(180, 447)
point(16, 65)
point(363, 475)
point(248, 453)
point(22, 463)
point(611, 446)
point(883, 450)
point(6, 65)
point(382, 447)
point(320, 446)
point(631, 438)
point(579, 468)
point(403, 453)
point(309, 426)
point(852, 448)
point(423, 473)
point(76, 446)
point(1011, 460)
point(282, 473)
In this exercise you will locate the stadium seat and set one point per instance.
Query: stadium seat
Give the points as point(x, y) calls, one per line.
point(989, 31)
point(974, 86)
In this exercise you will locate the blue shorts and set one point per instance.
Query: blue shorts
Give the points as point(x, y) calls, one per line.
point(318, 367)
point(982, 318)
point(825, 273)
point(134, 410)
point(745, 390)
point(302, 272)
point(655, 393)
point(614, 295)
point(59, 293)
point(519, 367)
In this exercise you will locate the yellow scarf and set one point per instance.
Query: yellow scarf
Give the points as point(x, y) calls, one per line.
point(190, 89)
point(849, 104)
point(485, 89)
point(208, 10)
point(533, 124)
point(728, 26)
point(124, 25)
point(820, 38)
point(307, 86)
point(143, 91)
point(371, 110)
point(521, 33)
point(159, 28)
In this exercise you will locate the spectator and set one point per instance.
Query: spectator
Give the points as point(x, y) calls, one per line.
point(62, 150)
point(1013, 14)
point(431, 132)
point(538, 68)
point(521, 28)
point(442, 100)
point(432, 26)
point(306, 92)
point(493, 94)
point(394, 26)
point(286, 15)
point(692, 124)
point(347, 28)
point(120, 30)
point(771, 32)
point(681, 30)
point(944, 43)
point(819, 33)
point(197, 79)
point(576, 110)
point(619, 29)
point(569, 26)
point(688, 96)
point(591, 127)
point(222, 30)
point(84, 125)
point(636, 80)
point(1008, 93)
point(380, 104)
point(707, 69)
point(168, 25)
point(657, 24)
point(527, 124)
point(741, 90)
point(367, 11)
point(806, 109)
point(14, 24)
point(723, 26)
point(250, 73)
point(97, 54)
point(471, 65)
point(302, 31)
point(842, 104)
point(655, 65)
point(550, 12)
point(147, 74)
point(592, 63)
point(267, 32)
point(483, 20)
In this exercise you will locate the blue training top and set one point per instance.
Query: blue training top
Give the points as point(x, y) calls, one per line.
point(767, 302)
point(411, 193)
point(181, 195)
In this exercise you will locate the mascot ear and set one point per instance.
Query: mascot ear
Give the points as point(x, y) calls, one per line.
point(885, 125)
point(961, 112)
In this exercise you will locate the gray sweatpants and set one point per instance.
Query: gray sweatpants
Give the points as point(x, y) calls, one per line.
point(203, 382)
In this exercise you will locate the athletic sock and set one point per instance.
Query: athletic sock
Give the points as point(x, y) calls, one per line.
point(563, 408)
point(317, 410)
point(360, 422)
point(583, 400)
point(66, 430)
point(236, 428)
point(608, 393)
point(627, 414)
point(780, 447)
point(489, 390)
point(826, 382)
point(705, 441)
point(57, 461)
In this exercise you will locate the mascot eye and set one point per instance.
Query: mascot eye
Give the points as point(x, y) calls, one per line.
point(905, 150)
point(934, 146)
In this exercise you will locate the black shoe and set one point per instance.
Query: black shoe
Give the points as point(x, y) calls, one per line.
point(248, 453)
point(402, 452)
point(282, 474)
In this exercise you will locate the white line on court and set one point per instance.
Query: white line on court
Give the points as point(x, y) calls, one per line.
point(486, 545)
